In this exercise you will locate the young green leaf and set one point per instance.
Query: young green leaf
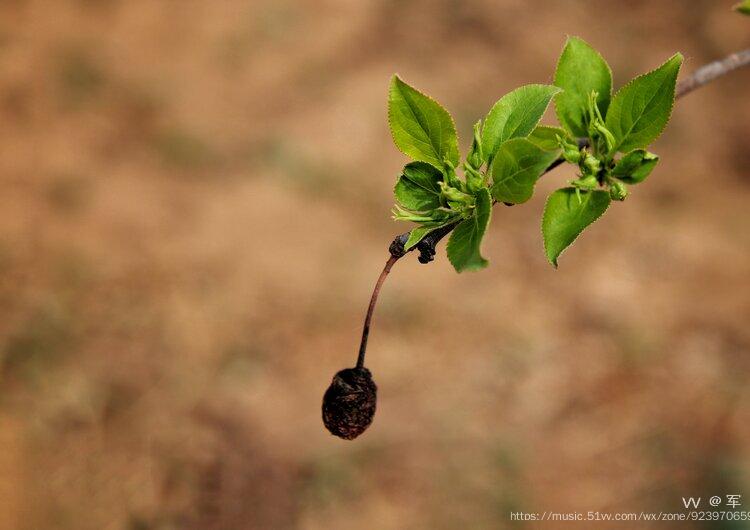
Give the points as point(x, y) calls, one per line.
point(464, 243)
point(581, 71)
point(475, 156)
point(421, 128)
point(418, 187)
point(400, 214)
point(517, 166)
point(641, 109)
point(635, 166)
point(545, 137)
point(567, 214)
point(515, 115)
point(743, 7)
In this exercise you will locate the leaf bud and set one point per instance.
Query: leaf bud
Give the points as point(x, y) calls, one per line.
point(609, 138)
point(451, 194)
point(474, 179)
point(571, 151)
point(475, 158)
point(589, 182)
point(618, 191)
point(450, 175)
point(591, 164)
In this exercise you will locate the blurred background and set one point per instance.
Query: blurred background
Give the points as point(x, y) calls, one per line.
point(196, 204)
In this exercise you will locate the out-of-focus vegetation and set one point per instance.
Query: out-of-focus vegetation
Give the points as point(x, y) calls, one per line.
point(195, 204)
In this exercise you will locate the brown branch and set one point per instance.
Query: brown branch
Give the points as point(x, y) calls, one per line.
point(706, 74)
point(426, 247)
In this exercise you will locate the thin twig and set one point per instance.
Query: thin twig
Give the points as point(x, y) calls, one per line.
point(371, 309)
point(706, 74)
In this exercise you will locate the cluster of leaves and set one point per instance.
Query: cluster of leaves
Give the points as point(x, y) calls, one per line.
point(510, 150)
point(743, 7)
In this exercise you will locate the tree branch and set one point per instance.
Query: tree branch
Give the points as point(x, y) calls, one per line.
point(426, 246)
point(706, 74)
point(702, 76)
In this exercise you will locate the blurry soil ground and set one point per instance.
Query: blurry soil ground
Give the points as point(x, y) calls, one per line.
point(195, 204)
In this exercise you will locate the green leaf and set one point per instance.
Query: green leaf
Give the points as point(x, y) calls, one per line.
point(515, 115)
point(418, 188)
point(464, 243)
point(421, 128)
point(418, 233)
point(566, 214)
point(743, 7)
point(545, 137)
point(580, 71)
point(400, 214)
point(635, 166)
point(517, 166)
point(640, 110)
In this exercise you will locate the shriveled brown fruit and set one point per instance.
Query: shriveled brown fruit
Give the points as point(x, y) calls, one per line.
point(349, 403)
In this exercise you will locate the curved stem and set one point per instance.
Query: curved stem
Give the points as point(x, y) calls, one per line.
point(371, 309)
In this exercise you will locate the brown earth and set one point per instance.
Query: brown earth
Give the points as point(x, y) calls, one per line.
point(195, 207)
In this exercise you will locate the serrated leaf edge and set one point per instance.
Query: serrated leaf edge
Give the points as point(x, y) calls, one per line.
point(544, 216)
point(396, 76)
point(671, 106)
point(450, 241)
point(556, 90)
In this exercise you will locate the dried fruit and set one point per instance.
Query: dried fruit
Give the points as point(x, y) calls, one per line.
point(349, 403)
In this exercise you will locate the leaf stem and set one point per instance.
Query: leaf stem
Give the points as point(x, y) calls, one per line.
point(371, 308)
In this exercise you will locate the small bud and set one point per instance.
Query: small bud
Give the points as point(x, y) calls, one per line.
point(396, 247)
point(452, 194)
point(450, 175)
point(592, 164)
point(609, 138)
point(618, 191)
point(475, 158)
point(474, 179)
point(572, 155)
point(571, 151)
point(589, 182)
point(349, 403)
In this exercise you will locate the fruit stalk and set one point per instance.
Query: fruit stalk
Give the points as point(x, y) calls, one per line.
point(371, 309)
